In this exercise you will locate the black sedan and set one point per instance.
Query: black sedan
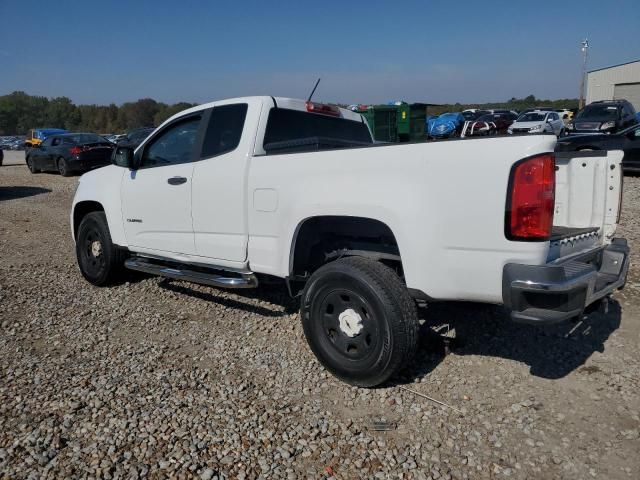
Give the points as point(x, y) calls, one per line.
point(627, 140)
point(135, 137)
point(70, 153)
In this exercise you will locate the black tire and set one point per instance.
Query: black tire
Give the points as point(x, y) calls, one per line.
point(100, 263)
point(31, 166)
point(63, 167)
point(386, 318)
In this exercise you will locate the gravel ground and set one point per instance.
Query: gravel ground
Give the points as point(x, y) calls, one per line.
point(155, 378)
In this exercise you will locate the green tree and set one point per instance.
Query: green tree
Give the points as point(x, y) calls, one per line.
point(62, 113)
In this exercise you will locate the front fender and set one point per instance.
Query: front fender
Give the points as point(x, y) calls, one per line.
point(103, 186)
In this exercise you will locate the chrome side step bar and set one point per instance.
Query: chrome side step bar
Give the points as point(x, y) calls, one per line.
point(182, 272)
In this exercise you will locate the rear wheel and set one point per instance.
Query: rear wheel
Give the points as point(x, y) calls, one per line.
point(100, 261)
point(359, 320)
point(63, 167)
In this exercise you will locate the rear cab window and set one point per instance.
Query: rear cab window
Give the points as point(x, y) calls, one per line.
point(295, 131)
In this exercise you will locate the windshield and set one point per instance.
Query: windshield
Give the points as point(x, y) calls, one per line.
point(599, 111)
point(532, 117)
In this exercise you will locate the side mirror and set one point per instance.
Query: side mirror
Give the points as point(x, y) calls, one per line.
point(124, 157)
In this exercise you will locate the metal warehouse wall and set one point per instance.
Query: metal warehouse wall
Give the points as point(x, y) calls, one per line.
point(601, 83)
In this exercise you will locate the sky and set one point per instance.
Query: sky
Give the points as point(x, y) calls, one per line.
point(364, 51)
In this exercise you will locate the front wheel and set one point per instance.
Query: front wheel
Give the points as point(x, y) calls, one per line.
point(359, 320)
point(100, 261)
point(31, 166)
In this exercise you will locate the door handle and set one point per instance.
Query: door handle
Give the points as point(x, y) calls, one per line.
point(176, 180)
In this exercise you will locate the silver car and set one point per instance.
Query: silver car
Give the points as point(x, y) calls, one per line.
point(538, 121)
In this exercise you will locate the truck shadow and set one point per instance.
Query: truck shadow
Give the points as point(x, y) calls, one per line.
point(12, 193)
point(551, 352)
point(268, 300)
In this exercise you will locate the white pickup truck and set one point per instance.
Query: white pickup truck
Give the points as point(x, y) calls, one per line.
point(236, 191)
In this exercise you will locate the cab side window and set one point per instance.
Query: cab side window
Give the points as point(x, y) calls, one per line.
point(56, 141)
point(224, 130)
point(47, 142)
point(173, 146)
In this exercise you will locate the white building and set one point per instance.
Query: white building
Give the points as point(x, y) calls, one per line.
point(616, 82)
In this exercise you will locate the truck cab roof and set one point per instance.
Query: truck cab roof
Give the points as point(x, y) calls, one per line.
point(278, 102)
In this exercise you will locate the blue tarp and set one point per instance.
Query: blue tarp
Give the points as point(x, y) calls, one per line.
point(444, 125)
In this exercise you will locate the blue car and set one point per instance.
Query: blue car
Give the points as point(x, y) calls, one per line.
point(445, 126)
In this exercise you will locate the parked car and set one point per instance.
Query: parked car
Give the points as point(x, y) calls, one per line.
point(234, 192)
point(538, 121)
point(70, 153)
point(502, 111)
point(627, 140)
point(535, 109)
point(17, 144)
point(445, 126)
point(473, 114)
point(37, 135)
point(135, 137)
point(566, 114)
point(603, 117)
point(489, 124)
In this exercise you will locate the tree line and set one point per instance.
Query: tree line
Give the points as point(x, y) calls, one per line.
point(517, 104)
point(19, 112)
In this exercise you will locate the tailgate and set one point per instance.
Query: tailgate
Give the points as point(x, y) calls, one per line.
point(587, 200)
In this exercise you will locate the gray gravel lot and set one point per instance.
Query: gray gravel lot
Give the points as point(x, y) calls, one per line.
point(155, 378)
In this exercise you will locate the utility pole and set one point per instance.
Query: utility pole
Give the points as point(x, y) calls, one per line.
point(585, 51)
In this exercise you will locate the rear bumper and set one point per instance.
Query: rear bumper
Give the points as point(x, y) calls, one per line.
point(544, 294)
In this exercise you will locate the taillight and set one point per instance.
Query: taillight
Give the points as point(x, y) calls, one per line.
point(323, 108)
point(75, 150)
point(531, 199)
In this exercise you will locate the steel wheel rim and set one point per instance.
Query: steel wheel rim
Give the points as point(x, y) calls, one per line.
point(358, 342)
point(92, 250)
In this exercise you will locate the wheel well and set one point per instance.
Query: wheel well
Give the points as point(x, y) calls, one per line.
point(322, 239)
point(81, 210)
